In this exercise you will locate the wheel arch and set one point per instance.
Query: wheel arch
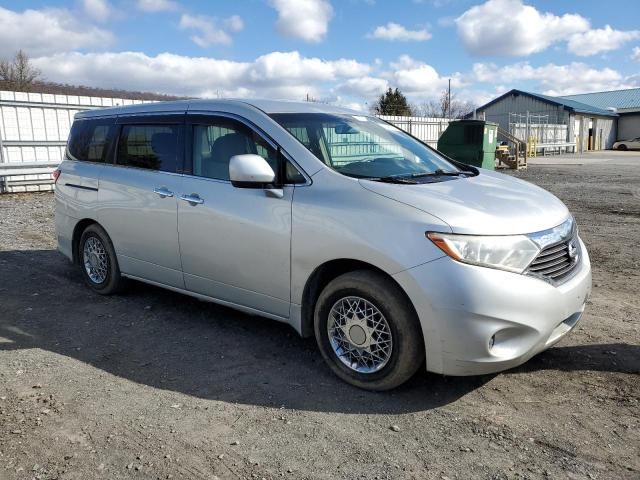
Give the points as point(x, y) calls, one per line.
point(77, 233)
point(325, 273)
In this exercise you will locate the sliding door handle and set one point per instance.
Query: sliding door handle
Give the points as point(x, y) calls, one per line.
point(193, 199)
point(163, 192)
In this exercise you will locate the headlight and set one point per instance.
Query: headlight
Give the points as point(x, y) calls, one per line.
point(510, 252)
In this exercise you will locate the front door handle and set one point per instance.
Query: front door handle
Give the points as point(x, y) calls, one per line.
point(164, 192)
point(193, 199)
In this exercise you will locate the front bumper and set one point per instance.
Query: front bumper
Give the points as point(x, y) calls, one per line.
point(462, 307)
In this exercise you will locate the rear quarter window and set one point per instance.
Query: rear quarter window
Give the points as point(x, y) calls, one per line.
point(152, 147)
point(91, 140)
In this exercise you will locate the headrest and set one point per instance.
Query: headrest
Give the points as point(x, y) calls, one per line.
point(163, 143)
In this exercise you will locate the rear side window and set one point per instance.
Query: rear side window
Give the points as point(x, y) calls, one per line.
point(153, 147)
point(91, 140)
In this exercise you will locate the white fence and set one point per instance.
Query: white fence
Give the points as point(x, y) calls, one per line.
point(34, 128)
point(427, 129)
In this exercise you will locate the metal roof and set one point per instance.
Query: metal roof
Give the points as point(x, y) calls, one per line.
point(571, 105)
point(267, 106)
point(622, 100)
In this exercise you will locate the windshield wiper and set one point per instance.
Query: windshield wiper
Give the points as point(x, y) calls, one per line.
point(385, 179)
point(394, 179)
point(439, 173)
point(409, 178)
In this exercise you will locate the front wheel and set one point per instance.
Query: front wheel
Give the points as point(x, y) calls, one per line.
point(367, 332)
point(622, 147)
point(98, 261)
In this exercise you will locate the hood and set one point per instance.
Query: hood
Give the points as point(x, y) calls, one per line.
point(488, 204)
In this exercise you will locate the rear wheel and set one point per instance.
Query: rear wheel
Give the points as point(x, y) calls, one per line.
point(622, 146)
point(366, 331)
point(98, 261)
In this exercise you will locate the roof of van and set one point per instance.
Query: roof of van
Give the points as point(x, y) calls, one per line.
point(267, 106)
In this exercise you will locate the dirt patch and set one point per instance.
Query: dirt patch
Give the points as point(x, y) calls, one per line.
point(152, 384)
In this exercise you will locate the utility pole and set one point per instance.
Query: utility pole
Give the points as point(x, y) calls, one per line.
point(449, 100)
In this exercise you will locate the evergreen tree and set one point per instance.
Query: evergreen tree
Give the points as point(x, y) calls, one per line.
point(392, 102)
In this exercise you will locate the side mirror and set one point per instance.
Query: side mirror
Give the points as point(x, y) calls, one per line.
point(250, 171)
point(253, 171)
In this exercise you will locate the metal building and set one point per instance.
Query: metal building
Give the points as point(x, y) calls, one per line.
point(626, 104)
point(552, 124)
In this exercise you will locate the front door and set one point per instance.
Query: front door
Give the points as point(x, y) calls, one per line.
point(234, 242)
point(138, 198)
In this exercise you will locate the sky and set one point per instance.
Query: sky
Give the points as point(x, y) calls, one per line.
point(345, 52)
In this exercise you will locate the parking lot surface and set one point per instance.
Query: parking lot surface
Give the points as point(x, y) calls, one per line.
point(153, 384)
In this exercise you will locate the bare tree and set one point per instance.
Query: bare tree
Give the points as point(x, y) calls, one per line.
point(5, 71)
point(461, 109)
point(19, 74)
point(431, 108)
point(440, 108)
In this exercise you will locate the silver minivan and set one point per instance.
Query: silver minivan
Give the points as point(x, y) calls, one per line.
point(335, 222)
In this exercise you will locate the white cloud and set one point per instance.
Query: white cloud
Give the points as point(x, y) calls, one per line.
point(291, 68)
point(634, 81)
point(307, 20)
point(508, 27)
point(394, 31)
point(208, 32)
point(364, 86)
point(552, 79)
point(349, 68)
point(511, 28)
point(635, 54)
point(405, 62)
point(480, 97)
point(234, 23)
point(154, 6)
point(166, 72)
point(290, 75)
point(358, 107)
point(600, 40)
point(98, 10)
point(418, 79)
point(275, 75)
point(43, 32)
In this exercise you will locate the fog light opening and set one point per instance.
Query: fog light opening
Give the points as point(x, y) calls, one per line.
point(492, 341)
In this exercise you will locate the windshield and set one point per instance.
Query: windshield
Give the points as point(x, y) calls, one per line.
point(364, 147)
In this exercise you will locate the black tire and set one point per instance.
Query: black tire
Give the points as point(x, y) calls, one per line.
point(407, 353)
point(113, 281)
point(622, 147)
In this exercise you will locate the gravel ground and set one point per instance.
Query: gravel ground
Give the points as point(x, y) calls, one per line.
point(152, 384)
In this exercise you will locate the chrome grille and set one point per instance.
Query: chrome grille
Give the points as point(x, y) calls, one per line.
point(556, 262)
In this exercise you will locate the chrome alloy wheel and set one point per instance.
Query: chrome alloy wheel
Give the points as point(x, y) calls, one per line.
point(95, 259)
point(359, 334)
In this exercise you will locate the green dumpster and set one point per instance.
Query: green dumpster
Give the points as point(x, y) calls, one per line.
point(470, 141)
